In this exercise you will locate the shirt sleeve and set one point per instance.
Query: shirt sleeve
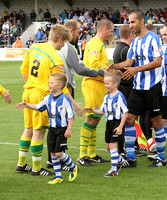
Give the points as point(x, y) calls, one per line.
point(157, 47)
point(42, 105)
point(79, 67)
point(2, 90)
point(25, 65)
point(131, 54)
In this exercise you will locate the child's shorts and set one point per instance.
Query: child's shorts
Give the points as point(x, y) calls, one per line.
point(110, 136)
point(56, 140)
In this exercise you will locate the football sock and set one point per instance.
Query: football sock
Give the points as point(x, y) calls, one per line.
point(23, 150)
point(160, 143)
point(165, 129)
point(92, 143)
point(56, 166)
point(36, 149)
point(130, 137)
point(66, 158)
point(85, 134)
point(114, 159)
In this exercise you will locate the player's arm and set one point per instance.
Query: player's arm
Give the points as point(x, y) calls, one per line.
point(67, 133)
point(118, 130)
point(90, 110)
point(79, 67)
point(5, 94)
point(25, 67)
point(131, 71)
point(26, 105)
point(76, 105)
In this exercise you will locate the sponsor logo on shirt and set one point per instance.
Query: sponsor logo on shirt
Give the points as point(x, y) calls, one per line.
point(159, 50)
point(94, 52)
point(116, 106)
point(139, 57)
point(60, 67)
point(61, 109)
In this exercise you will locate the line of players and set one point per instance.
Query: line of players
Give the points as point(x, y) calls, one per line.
point(146, 51)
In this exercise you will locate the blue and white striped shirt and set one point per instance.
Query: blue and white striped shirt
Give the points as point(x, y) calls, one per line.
point(114, 107)
point(143, 51)
point(60, 110)
point(164, 64)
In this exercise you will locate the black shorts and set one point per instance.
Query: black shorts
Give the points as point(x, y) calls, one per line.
point(164, 107)
point(56, 140)
point(141, 101)
point(110, 136)
point(125, 89)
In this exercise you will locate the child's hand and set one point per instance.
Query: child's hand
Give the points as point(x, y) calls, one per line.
point(89, 110)
point(118, 130)
point(67, 134)
point(21, 105)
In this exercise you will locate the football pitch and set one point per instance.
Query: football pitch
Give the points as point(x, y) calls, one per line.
point(140, 183)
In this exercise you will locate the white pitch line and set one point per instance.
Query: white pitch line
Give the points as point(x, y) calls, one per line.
point(15, 144)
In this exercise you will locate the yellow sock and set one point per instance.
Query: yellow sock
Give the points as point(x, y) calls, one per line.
point(92, 144)
point(36, 149)
point(23, 150)
point(85, 134)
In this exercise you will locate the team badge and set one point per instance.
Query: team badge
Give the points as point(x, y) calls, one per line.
point(116, 106)
point(61, 109)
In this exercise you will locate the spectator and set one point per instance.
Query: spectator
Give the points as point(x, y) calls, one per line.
point(18, 43)
point(76, 17)
point(47, 15)
point(19, 26)
point(66, 19)
point(88, 36)
point(40, 15)
point(70, 14)
point(29, 42)
point(165, 13)
point(89, 20)
point(12, 15)
point(81, 17)
point(48, 27)
point(21, 17)
point(5, 26)
point(150, 21)
point(123, 14)
point(39, 35)
point(78, 12)
point(5, 16)
point(83, 46)
point(63, 14)
point(53, 19)
point(86, 13)
point(60, 19)
point(147, 16)
point(32, 16)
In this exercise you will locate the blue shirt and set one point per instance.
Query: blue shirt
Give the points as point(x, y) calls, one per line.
point(114, 107)
point(60, 110)
point(143, 51)
point(164, 64)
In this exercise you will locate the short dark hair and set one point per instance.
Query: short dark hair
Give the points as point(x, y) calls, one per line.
point(139, 14)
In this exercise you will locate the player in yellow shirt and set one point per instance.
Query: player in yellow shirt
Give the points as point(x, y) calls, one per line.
point(5, 94)
point(93, 90)
point(40, 61)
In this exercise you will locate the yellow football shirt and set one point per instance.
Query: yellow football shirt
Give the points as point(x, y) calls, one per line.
point(40, 61)
point(95, 56)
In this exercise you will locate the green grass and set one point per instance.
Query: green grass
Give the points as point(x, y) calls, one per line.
point(140, 183)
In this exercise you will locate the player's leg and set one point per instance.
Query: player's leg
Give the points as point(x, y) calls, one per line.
point(164, 114)
point(154, 102)
point(24, 146)
point(25, 140)
point(40, 122)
